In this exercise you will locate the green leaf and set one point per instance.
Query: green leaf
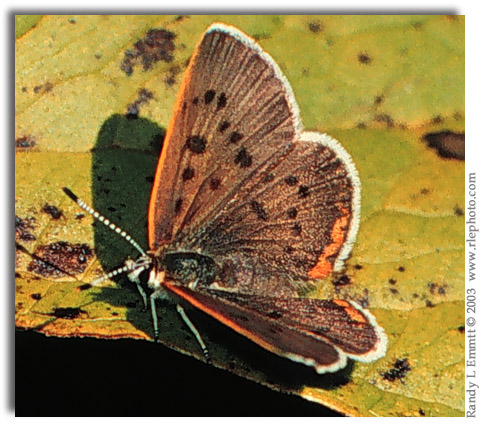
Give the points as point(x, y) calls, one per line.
point(374, 83)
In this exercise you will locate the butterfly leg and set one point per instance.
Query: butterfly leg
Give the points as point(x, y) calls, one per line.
point(157, 295)
point(133, 277)
point(195, 332)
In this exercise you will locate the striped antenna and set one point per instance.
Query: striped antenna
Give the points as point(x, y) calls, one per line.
point(126, 268)
point(106, 222)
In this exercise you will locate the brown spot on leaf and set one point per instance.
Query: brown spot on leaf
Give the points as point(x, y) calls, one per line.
point(157, 45)
point(60, 259)
point(385, 119)
point(25, 142)
point(53, 211)
point(448, 145)
point(364, 58)
point(143, 97)
point(67, 312)
point(399, 370)
point(315, 26)
point(23, 228)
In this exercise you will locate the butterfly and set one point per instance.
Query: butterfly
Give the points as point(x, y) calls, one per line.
point(247, 208)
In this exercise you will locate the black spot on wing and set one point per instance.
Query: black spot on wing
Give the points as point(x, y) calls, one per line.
point(258, 209)
point(178, 205)
point(292, 213)
point(291, 180)
point(196, 144)
point(209, 96)
point(274, 314)
point(268, 178)
point(221, 101)
point(297, 229)
point(188, 173)
point(235, 137)
point(243, 158)
point(303, 191)
point(224, 126)
point(215, 183)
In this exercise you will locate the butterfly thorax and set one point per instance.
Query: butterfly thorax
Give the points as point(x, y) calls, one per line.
point(189, 268)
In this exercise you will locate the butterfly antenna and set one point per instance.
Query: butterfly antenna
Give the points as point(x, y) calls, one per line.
point(126, 268)
point(106, 222)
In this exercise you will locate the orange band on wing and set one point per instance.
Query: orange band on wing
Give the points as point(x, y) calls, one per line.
point(324, 267)
point(353, 313)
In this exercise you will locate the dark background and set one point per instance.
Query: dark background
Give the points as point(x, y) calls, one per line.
point(89, 377)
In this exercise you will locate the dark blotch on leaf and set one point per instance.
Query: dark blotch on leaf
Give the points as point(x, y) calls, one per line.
point(23, 228)
point(195, 101)
point(67, 313)
point(458, 211)
point(60, 258)
point(53, 211)
point(364, 58)
point(243, 158)
point(36, 296)
point(399, 370)
point(315, 26)
point(25, 142)
point(196, 144)
point(448, 145)
point(156, 46)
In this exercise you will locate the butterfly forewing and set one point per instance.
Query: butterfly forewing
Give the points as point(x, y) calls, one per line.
point(234, 113)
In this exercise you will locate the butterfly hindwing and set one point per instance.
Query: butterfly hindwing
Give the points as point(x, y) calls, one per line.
point(235, 111)
point(319, 333)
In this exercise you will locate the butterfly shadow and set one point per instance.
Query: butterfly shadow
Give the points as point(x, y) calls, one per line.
point(124, 160)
